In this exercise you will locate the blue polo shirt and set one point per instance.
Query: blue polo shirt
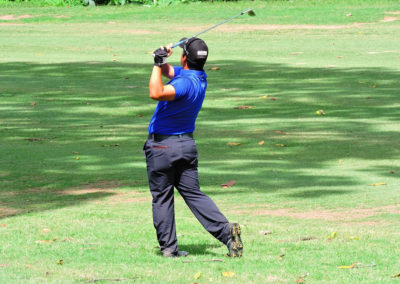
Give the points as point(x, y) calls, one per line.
point(179, 116)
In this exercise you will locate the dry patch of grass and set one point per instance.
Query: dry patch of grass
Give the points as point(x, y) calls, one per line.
point(13, 18)
point(129, 32)
point(327, 215)
point(393, 12)
point(111, 188)
point(7, 212)
point(388, 19)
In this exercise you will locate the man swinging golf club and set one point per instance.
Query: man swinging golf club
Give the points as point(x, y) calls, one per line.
point(171, 153)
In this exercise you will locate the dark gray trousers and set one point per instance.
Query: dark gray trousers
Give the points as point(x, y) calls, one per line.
point(172, 162)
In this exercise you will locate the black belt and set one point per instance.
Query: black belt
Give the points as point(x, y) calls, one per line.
point(160, 137)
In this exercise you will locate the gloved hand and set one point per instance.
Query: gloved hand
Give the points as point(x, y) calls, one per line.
point(160, 56)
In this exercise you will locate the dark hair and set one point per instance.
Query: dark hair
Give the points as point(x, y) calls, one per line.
point(196, 65)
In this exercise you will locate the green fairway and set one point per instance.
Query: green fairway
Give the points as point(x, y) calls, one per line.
point(74, 111)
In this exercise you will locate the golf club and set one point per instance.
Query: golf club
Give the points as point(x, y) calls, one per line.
point(249, 11)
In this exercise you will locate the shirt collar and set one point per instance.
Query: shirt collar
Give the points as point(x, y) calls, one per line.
point(194, 72)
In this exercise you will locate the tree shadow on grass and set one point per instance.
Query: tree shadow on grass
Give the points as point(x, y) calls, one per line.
point(51, 114)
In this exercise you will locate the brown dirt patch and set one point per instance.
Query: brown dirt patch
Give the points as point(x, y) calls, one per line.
point(116, 196)
point(13, 18)
point(388, 19)
point(393, 12)
point(328, 215)
point(87, 191)
point(6, 212)
point(11, 24)
point(127, 198)
point(102, 186)
point(129, 32)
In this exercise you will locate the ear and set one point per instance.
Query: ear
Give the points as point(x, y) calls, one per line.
point(184, 61)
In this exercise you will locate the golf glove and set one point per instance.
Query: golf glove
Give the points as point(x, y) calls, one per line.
point(160, 56)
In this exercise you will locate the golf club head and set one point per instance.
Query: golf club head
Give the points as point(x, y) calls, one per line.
point(251, 13)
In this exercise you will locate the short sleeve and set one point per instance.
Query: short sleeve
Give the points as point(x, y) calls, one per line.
point(177, 70)
point(182, 87)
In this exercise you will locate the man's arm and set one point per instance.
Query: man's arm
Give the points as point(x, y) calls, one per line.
point(168, 71)
point(157, 90)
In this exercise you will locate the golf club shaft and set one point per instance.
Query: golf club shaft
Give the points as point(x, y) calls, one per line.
point(210, 28)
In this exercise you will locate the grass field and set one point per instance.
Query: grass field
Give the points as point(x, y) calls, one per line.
point(74, 111)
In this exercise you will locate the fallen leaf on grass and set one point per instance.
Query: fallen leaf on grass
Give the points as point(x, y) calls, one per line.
point(74, 152)
point(243, 107)
point(228, 184)
point(332, 236)
point(60, 262)
point(396, 275)
point(378, 184)
point(28, 266)
point(281, 132)
point(46, 241)
point(272, 99)
point(67, 240)
point(357, 265)
point(33, 104)
point(214, 68)
point(3, 225)
point(108, 280)
point(348, 266)
point(263, 233)
point(228, 273)
point(233, 144)
point(257, 130)
point(310, 238)
point(261, 143)
point(281, 257)
point(110, 145)
point(197, 275)
point(280, 145)
point(354, 238)
point(302, 278)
